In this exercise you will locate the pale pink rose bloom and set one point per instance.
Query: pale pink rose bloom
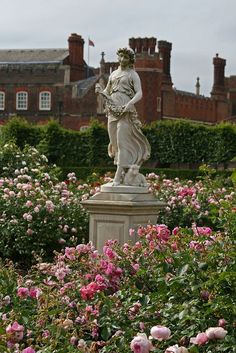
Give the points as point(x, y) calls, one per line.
point(200, 339)
point(36, 209)
point(15, 331)
point(216, 333)
point(142, 325)
point(29, 231)
point(182, 350)
point(131, 232)
point(28, 350)
point(81, 344)
point(136, 267)
point(73, 340)
point(172, 349)
point(67, 323)
point(222, 322)
point(29, 218)
point(46, 334)
point(28, 203)
point(160, 332)
point(140, 344)
point(176, 349)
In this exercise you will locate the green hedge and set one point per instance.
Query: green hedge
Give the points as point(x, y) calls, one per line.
point(185, 142)
point(21, 132)
point(172, 142)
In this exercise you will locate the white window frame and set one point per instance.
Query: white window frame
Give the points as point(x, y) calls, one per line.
point(159, 104)
point(2, 100)
point(45, 99)
point(22, 100)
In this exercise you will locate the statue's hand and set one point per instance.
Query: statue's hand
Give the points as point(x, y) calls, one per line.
point(98, 88)
point(128, 107)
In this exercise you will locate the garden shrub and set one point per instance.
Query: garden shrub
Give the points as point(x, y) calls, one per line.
point(172, 142)
point(89, 302)
point(38, 214)
point(21, 132)
point(185, 142)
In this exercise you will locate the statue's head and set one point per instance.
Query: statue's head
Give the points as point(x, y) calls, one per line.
point(128, 53)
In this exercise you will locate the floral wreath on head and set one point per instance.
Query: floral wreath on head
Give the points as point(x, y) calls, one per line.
point(129, 52)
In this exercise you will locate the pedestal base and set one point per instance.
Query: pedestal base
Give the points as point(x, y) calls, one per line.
point(116, 209)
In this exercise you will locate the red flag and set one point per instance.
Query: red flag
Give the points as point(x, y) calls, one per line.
point(91, 43)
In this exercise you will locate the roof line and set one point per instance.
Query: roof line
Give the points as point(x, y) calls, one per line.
point(29, 62)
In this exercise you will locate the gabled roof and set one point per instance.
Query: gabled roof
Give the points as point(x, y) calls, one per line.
point(32, 56)
point(83, 86)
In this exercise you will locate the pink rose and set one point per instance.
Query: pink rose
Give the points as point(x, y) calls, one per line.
point(216, 333)
point(22, 292)
point(34, 292)
point(28, 350)
point(222, 322)
point(140, 344)
point(131, 232)
point(176, 230)
point(200, 339)
point(176, 349)
point(29, 203)
point(15, 332)
point(160, 332)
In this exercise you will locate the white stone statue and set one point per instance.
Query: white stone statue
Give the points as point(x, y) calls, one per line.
point(128, 145)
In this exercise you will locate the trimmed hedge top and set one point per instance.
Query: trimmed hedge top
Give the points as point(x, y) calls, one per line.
point(172, 142)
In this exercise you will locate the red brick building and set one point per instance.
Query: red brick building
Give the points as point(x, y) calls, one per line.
point(40, 84)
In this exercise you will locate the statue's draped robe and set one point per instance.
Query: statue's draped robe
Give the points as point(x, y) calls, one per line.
point(128, 145)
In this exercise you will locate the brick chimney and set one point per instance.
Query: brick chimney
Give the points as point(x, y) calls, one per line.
point(76, 57)
point(143, 45)
point(152, 45)
point(164, 48)
point(218, 89)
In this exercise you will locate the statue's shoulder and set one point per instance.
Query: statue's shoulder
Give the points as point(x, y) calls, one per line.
point(134, 75)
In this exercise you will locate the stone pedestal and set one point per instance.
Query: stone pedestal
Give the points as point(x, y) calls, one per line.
point(116, 209)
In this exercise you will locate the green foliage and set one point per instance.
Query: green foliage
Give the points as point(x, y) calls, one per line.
point(21, 132)
point(38, 214)
point(172, 142)
point(64, 147)
point(14, 161)
point(185, 142)
point(106, 299)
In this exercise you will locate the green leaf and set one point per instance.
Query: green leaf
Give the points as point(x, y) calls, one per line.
point(105, 333)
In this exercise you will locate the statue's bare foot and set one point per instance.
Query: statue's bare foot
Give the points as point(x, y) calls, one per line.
point(115, 183)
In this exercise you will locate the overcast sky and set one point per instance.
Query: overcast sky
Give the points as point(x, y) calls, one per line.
point(198, 29)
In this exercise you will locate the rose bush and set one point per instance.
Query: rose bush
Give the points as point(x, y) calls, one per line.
point(174, 280)
point(180, 287)
point(38, 214)
point(202, 202)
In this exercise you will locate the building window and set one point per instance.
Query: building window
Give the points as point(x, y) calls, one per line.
point(2, 100)
point(45, 100)
point(22, 100)
point(158, 104)
point(84, 127)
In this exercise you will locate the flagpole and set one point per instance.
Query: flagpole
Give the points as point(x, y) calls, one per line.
point(88, 60)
